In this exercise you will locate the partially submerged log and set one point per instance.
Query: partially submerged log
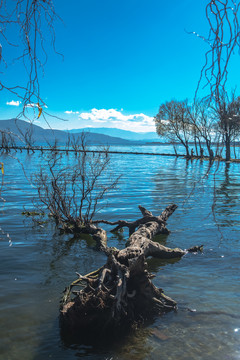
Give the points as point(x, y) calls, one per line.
point(121, 292)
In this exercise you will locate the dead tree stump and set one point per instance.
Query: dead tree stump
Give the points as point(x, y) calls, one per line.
point(120, 293)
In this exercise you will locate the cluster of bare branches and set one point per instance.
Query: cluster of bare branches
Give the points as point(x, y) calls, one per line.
point(203, 122)
point(7, 141)
point(203, 126)
point(73, 192)
point(27, 20)
point(228, 113)
point(12, 139)
point(223, 38)
point(172, 121)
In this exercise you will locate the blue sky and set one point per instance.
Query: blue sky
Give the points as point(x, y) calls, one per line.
point(122, 59)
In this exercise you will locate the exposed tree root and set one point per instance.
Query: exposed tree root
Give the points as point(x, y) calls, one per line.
point(121, 292)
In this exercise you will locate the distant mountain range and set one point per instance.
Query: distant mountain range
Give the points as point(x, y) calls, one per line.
point(124, 134)
point(100, 137)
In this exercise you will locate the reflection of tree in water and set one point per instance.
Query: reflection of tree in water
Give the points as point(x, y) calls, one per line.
point(136, 346)
point(178, 180)
point(227, 197)
point(204, 188)
point(155, 264)
point(65, 254)
point(133, 344)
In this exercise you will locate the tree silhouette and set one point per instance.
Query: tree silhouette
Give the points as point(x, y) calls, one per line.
point(223, 39)
point(28, 20)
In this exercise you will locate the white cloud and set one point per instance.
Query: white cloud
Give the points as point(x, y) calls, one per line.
point(114, 118)
point(71, 112)
point(13, 103)
point(32, 105)
point(35, 105)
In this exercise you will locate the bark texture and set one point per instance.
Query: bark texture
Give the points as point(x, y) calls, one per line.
point(121, 292)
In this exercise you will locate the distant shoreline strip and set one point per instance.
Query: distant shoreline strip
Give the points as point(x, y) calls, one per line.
point(33, 149)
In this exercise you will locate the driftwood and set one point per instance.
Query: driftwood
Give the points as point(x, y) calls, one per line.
point(121, 292)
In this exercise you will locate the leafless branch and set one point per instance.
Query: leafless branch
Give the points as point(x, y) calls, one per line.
point(73, 192)
point(30, 19)
point(223, 39)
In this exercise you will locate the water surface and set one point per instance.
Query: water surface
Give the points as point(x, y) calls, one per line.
point(37, 263)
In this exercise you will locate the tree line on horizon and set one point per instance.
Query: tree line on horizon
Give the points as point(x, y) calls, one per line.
point(204, 122)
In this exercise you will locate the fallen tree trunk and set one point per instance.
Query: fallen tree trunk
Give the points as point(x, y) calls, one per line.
point(120, 293)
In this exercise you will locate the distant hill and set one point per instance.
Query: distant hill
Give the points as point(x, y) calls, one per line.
point(124, 134)
point(42, 136)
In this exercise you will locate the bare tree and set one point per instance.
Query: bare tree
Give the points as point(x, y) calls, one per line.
point(73, 192)
point(7, 140)
point(172, 121)
point(204, 124)
point(27, 136)
point(227, 111)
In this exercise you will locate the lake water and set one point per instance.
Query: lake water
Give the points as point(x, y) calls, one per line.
point(37, 263)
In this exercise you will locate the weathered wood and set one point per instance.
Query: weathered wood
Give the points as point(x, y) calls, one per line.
point(121, 292)
point(147, 217)
point(141, 238)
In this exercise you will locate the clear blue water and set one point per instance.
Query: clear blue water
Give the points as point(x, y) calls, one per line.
point(36, 263)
